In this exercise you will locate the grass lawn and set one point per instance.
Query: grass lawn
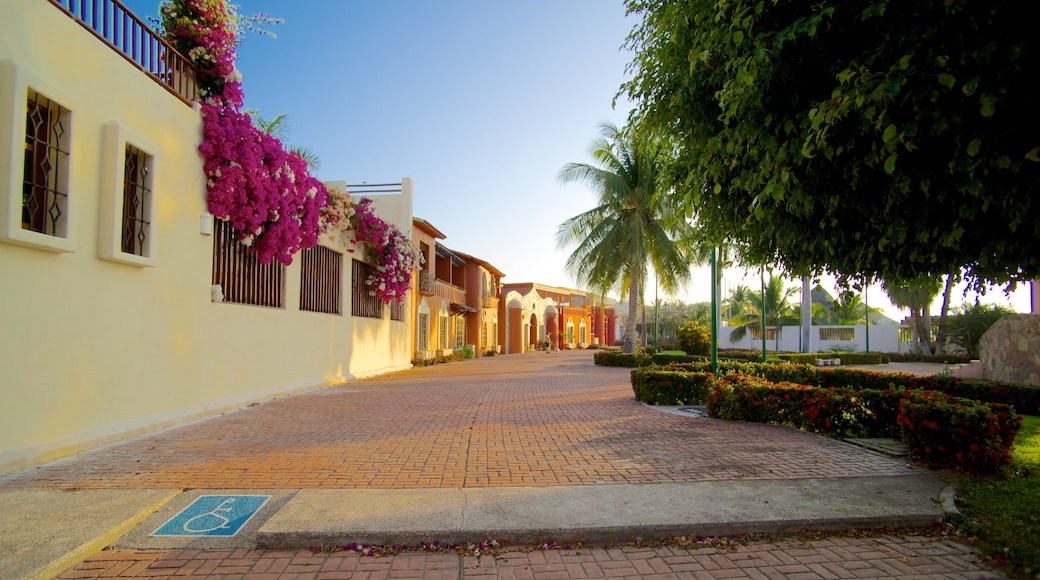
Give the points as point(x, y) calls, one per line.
point(1001, 517)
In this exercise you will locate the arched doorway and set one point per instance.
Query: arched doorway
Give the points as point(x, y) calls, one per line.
point(533, 333)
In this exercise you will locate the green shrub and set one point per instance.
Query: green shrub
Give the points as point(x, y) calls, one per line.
point(945, 431)
point(658, 386)
point(616, 358)
point(665, 359)
point(694, 339)
point(847, 358)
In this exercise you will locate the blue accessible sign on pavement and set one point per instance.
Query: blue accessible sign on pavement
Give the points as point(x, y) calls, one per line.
point(213, 516)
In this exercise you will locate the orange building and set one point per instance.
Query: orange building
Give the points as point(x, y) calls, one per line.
point(455, 297)
point(538, 315)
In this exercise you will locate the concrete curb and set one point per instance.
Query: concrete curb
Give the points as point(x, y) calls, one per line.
point(606, 513)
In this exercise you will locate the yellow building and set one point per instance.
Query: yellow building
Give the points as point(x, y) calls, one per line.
point(125, 308)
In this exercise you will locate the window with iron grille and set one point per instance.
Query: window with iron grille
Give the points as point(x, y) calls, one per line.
point(423, 331)
point(320, 276)
point(484, 332)
point(240, 275)
point(364, 302)
point(570, 331)
point(137, 199)
point(582, 333)
point(460, 331)
point(396, 310)
point(46, 167)
point(847, 334)
point(442, 328)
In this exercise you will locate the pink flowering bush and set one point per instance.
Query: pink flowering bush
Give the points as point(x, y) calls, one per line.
point(267, 194)
point(336, 215)
point(388, 249)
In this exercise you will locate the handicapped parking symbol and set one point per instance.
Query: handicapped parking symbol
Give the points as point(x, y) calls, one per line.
point(213, 516)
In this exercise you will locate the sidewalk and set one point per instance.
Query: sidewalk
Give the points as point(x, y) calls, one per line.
point(525, 449)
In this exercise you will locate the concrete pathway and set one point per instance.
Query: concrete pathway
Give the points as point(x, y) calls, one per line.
point(527, 449)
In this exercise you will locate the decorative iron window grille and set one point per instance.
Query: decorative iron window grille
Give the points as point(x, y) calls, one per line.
point(364, 302)
point(241, 276)
point(423, 331)
point(846, 334)
point(460, 331)
point(320, 275)
point(396, 311)
point(137, 197)
point(442, 331)
point(45, 172)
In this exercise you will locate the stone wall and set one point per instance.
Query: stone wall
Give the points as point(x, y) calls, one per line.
point(1010, 350)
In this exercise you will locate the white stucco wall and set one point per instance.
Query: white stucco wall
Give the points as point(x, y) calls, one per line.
point(94, 351)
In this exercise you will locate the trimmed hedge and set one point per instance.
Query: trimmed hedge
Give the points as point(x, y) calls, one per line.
point(616, 358)
point(847, 358)
point(1024, 398)
point(949, 359)
point(939, 429)
point(656, 386)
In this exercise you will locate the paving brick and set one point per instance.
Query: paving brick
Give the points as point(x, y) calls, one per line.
point(532, 425)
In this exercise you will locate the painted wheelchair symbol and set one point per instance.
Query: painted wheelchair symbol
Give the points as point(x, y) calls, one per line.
point(213, 516)
point(216, 518)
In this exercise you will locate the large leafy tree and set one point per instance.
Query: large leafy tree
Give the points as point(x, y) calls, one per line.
point(866, 138)
point(634, 226)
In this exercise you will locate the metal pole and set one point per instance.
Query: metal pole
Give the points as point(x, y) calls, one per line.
point(657, 325)
point(714, 316)
point(866, 305)
point(762, 280)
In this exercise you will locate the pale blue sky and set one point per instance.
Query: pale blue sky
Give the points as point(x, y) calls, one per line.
point(479, 102)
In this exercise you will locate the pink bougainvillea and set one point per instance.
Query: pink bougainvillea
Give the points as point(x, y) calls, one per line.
point(266, 193)
point(390, 251)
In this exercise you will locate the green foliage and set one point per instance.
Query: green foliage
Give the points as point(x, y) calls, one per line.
point(966, 327)
point(694, 339)
point(848, 358)
point(656, 386)
point(999, 516)
point(441, 359)
point(662, 359)
point(616, 358)
point(945, 431)
point(634, 225)
point(909, 148)
point(950, 359)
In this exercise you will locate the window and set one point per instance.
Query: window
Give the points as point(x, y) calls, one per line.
point(582, 333)
point(494, 331)
point(137, 197)
point(423, 329)
point(364, 302)
point(460, 331)
point(570, 331)
point(396, 310)
point(320, 275)
point(442, 328)
point(240, 275)
point(484, 332)
point(847, 334)
point(45, 174)
point(422, 326)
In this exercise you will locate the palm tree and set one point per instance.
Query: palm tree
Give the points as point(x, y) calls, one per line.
point(778, 309)
point(916, 295)
point(277, 128)
point(635, 224)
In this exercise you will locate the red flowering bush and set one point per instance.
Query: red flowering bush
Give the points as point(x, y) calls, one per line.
point(945, 431)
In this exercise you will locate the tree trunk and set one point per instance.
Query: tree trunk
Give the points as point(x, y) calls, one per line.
point(940, 334)
point(628, 343)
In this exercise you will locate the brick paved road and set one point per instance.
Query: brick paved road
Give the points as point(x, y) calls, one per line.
point(531, 420)
point(520, 420)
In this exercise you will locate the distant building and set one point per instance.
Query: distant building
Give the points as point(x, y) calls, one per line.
point(537, 315)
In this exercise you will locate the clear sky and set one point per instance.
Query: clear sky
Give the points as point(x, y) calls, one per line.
point(480, 102)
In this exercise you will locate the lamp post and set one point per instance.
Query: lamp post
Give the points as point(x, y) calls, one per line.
point(714, 316)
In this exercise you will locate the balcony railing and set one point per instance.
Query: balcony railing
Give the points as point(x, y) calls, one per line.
point(427, 282)
point(119, 28)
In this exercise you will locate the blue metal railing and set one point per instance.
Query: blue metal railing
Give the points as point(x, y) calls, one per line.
point(121, 29)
